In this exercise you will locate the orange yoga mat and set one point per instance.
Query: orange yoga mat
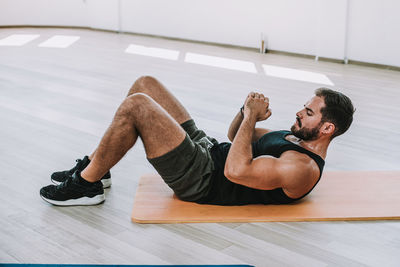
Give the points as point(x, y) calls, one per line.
point(340, 195)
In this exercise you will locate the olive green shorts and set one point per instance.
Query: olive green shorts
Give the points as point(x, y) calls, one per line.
point(187, 168)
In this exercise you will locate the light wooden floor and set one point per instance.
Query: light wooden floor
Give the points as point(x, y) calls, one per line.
point(56, 103)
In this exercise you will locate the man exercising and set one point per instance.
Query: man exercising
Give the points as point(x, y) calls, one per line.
point(259, 166)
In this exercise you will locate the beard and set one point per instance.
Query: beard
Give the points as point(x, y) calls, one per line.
point(306, 134)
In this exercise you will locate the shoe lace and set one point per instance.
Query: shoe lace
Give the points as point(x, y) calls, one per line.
point(77, 166)
point(70, 185)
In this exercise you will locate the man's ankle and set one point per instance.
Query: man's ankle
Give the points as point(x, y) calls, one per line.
point(84, 180)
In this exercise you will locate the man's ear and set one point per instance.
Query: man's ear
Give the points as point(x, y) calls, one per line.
point(328, 128)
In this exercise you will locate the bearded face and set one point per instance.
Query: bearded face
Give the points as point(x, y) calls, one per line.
point(306, 134)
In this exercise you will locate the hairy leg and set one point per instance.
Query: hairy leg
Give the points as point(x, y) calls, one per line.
point(138, 115)
point(153, 88)
point(160, 94)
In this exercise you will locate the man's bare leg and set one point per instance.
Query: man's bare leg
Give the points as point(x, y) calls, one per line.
point(138, 115)
point(153, 88)
point(160, 94)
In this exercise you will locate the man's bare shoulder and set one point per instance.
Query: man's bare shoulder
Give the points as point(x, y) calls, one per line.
point(302, 172)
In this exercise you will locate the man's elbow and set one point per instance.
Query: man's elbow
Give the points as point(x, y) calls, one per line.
point(233, 174)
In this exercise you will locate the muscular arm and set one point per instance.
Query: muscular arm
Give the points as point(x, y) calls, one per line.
point(294, 172)
point(240, 154)
point(234, 127)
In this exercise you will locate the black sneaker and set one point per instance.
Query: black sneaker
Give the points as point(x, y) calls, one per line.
point(59, 177)
point(74, 191)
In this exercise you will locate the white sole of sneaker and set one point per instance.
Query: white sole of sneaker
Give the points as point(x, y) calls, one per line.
point(83, 201)
point(106, 182)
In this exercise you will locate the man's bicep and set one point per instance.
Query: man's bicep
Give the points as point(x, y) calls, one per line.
point(268, 173)
point(261, 173)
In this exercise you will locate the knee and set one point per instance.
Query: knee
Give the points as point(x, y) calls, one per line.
point(135, 104)
point(146, 79)
point(143, 83)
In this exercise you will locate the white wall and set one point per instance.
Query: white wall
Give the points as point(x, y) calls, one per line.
point(221, 21)
point(374, 31)
point(331, 28)
point(43, 12)
point(103, 14)
point(239, 22)
point(313, 27)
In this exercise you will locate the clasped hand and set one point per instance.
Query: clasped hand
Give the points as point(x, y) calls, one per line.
point(257, 105)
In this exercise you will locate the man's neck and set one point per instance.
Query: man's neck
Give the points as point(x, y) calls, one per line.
point(319, 146)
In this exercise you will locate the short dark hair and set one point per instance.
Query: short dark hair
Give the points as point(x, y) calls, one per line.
point(338, 109)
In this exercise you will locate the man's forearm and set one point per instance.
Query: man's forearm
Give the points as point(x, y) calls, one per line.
point(235, 124)
point(240, 153)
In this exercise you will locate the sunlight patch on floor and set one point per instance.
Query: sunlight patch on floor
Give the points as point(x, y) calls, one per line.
point(152, 52)
point(298, 75)
point(18, 39)
point(59, 41)
point(221, 62)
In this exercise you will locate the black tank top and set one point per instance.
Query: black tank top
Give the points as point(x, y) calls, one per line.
point(224, 192)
